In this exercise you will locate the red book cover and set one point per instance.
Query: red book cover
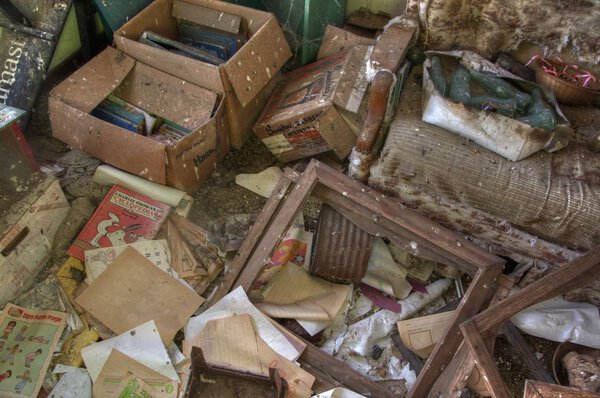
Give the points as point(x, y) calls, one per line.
point(123, 217)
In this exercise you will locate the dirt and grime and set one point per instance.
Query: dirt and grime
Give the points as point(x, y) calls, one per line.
point(220, 196)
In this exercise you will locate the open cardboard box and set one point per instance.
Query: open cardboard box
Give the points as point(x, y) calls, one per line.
point(183, 165)
point(247, 79)
point(503, 135)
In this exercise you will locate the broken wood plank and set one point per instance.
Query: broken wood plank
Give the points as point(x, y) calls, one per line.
point(455, 376)
point(484, 360)
point(577, 273)
point(315, 358)
point(281, 223)
point(262, 222)
point(476, 296)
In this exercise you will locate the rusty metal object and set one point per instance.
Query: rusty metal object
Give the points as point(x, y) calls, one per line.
point(342, 249)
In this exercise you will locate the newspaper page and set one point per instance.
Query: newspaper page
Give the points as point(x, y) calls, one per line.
point(28, 339)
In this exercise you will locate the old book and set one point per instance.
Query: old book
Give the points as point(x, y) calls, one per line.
point(123, 217)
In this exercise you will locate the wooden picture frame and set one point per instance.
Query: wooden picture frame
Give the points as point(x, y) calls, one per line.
point(480, 331)
point(378, 215)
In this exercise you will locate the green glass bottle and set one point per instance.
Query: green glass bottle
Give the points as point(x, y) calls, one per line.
point(438, 77)
point(500, 88)
point(459, 85)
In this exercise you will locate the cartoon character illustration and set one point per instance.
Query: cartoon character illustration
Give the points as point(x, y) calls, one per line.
point(38, 339)
point(10, 354)
point(5, 375)
point(24, 380)
point(15, 312)
point(8, 329)
point(120, 237)
point(102, 228)
point(20, 336)
point(31, 356)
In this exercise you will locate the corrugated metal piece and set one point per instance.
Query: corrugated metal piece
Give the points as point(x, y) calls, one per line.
point(342, 250)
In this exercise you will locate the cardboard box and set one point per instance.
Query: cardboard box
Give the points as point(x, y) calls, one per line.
point(247, 79)
point(183, 165)
point(311, 112)
point(503, 135)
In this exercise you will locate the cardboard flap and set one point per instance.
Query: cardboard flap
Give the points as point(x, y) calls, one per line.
point(251, 68)
point(83, 91)
point(168, 96)
point(99, 139)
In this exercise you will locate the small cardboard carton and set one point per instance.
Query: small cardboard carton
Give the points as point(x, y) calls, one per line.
point(247, 79)
point(183, 165)
point(310, 112)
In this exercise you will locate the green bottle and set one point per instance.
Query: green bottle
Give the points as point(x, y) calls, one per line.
point(504, 106)
point(500, 88)
point(539, 114)
point(438, 77)
point(459, 85)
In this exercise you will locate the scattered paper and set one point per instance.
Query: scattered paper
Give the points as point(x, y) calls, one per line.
point(229, 343)
point(156, 251)
point(299, 381)
point(120, 372)
point(142, 344)
point(295, 247)
point(133, 291)
point(261, 183)
point(133, 386)
point(27, 342)
point(236, 302)
point(339, 392)
point(295, 294)
point(420, 335)
point(75, 383)
point(362, 335)
point(416, 267)
point(384, 274)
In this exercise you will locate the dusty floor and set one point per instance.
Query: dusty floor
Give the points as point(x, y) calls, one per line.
point(220, 196)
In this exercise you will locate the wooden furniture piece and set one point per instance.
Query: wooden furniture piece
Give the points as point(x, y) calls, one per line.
point(377, 215)
point(538, 389)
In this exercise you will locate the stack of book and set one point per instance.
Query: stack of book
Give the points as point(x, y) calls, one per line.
point(202, 33)
point(116, 111)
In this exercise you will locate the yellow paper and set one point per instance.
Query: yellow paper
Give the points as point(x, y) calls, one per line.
point(304, 296)
point(421, 335)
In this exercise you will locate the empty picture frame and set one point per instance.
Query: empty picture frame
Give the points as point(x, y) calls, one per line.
point(379, 215)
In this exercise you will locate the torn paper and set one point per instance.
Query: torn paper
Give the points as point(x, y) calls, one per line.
point(236, 302)
point(384, 274)
point(142, 343)
point(156, 251)
point(133, 291)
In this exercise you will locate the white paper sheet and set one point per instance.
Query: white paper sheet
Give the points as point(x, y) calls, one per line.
point(236, 302)
point(338, 392)
point(142, 343)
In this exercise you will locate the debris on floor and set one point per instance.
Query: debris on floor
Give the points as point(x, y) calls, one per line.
point(359, 226)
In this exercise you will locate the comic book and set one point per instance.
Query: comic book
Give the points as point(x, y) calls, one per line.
point(123, 217)
point(28, 339)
